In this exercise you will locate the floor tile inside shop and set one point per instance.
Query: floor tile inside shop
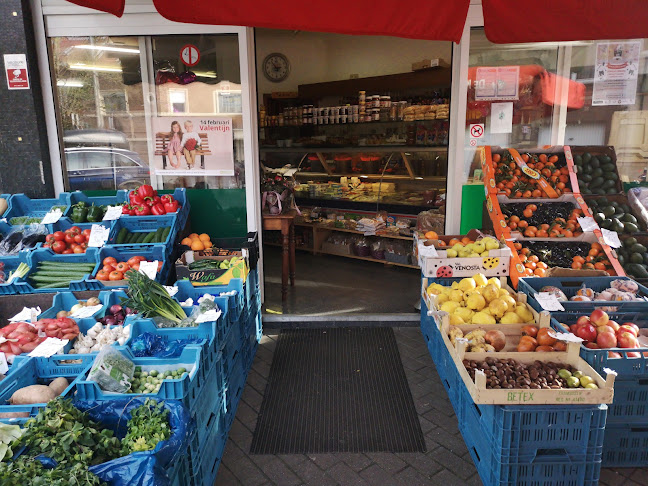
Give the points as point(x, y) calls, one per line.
point(446, 462)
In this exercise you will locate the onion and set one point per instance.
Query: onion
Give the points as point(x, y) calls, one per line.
point(93, 301)
point(114, 309)
point(110, 321)
point(62, 313)
point(130, 311)
point(76, 307)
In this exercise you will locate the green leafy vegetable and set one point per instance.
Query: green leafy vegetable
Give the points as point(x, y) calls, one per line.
point(26, 471)
point(8, 434)
point(149, 424)
point(151, 299)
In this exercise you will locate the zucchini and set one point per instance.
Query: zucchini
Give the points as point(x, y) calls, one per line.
point(121, 235)
point(149, 237)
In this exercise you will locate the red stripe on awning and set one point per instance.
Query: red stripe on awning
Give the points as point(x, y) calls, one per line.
point(115, 7)
point(515, 21)
point(431, 19)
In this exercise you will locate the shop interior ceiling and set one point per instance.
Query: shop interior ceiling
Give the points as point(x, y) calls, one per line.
point(504, 21)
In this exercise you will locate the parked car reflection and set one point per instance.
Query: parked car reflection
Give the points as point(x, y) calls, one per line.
point(104, 168)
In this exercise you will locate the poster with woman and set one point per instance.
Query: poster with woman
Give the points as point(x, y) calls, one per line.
point(193, 146)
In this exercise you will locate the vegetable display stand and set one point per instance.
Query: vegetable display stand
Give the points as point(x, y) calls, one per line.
point(123, 254)
point(21, 205)
point(179, 195)
point(625, 446)
point(74, 266)
point(144, 232)
point(235, 301)
point(571, 285)
point(11, 265)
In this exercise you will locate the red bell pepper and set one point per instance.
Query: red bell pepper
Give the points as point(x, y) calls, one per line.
point(146, 190)
point(171, 206)
point(128, 210)
point(158, 209)
point(135, 199)
point(143, 210)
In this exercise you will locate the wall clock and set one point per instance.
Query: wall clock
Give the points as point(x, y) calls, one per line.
point(276, 67)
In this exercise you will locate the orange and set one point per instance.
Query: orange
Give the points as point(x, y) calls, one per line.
point(204, 237)
point(186, 242)
point(197, 245)
point(193, 236)
point(465, 240)
point(432, 235)
point(453, 242)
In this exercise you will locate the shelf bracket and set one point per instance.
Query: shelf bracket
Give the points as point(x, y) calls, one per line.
point(322, 159)
point(407, 165)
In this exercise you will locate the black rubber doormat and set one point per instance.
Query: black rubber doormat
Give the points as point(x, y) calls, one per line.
point(337, 390)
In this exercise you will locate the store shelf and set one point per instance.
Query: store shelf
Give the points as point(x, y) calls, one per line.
point(363, 124)
point(350, 205)
point(386, 177)
point(346, 230)
point(367, 259)
point(279, 245)
point(359, 149)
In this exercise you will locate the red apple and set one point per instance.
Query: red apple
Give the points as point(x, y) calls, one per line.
point(573, 328)
point(599, 317)
point(606, 340)
point(633, 326)
point(586, 332)
point(613, 354)
point(592, 346)
point(605, 328)
point(627, 328)
point(583, 320)
point(614, 325)
point(633, 354)
point(627, 340)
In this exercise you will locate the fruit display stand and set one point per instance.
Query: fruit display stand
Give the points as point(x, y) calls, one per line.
point(596, 170)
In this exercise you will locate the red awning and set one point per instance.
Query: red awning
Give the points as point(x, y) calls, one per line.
point(515, 21)
point(431, 19)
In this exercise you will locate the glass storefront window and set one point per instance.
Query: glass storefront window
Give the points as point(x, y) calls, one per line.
point(110, 91)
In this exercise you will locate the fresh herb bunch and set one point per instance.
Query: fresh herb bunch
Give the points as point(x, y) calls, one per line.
point(151, 299)
point(67, 435)
point(149, 424)
point(27, 471)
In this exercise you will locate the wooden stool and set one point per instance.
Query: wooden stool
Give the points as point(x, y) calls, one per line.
point(285, 223)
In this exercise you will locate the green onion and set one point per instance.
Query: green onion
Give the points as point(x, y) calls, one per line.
point(150, 298)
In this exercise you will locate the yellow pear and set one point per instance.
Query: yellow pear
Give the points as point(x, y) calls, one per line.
point(449, 306)
point(479, 247)
point(455, 320)
point(466, 284)
point(456, 295)
point(452, 253)
point(480, 279)
point(503, 292)
point(435, 289)
point(510, 301)
point(510, 318)
point(441, 298)
point(524, 313)
point(491, 243)
point(495, 281)
point(476, 302)
point(485, 253)
point(483, 318)
point(490, 292)
point(464, 312)
point(486, 310)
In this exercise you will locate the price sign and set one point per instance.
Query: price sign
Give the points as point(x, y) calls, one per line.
point(98, 236)
point(588, 224)
point(171, 290)
point(4, 367)
point(149, 269)
point(86, 311)
point(48, 347)
point(611, 238)
point(112, 213)
point(52, 216)
point(26, 315)
point(209, 316)
point(548, 301)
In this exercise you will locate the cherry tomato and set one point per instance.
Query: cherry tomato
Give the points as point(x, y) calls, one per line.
point(122, 267)
point(69, 238)
point(116, 275)
point(110, 261)
point(59, 236)
point(59, 246)
point(68, 251)
point(80, 238)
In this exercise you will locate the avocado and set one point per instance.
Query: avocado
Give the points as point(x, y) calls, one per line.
point(626, 208)
point(621, 259)
point(609, 184)
point(636, 270)
point(645, 259)
point(611, 176)
point(631, 227)
point(629, 218)
point(586, 190)
point(586, 158)
point(597, 182)
point(608, 167)
point(597, 172)
point(606, 223)
point(603, 201)
point(611, 190)
point(578, 160)
point(587, 177)
point(630, 242)
point(599, 217)
point(587, 169)
point(638, 248)
point(617, 225)
point(605, 159)
point(600, 191)
point(608, 211)
point(636, 258)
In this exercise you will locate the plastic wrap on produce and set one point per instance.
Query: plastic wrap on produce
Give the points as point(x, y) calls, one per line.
point(151, 345)
point(638, 200)
point(139, 468)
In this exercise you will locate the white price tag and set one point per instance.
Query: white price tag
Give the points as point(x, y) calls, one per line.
point(49, 347)
point(209, 316)
point(112, 213)
point(588, 224)
point(149, 269)
point(86, 311)
point(52, 216)
point(26, 314)
point(4, 367)
point(611, 238)
point(171, 289)
point(548, 301)
point(98, 236)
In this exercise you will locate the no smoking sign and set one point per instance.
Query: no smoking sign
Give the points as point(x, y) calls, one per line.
point(476, 133)
point(189, 55)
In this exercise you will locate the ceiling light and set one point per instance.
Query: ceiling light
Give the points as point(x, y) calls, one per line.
point(128, 50)
point(88, 67)
point(70, 83)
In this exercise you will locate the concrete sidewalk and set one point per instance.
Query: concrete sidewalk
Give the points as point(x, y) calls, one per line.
point(446, 462)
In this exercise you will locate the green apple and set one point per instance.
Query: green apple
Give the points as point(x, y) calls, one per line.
point(452, 253)
point(479, 247)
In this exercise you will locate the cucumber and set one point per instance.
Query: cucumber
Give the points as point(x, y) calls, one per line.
point(158, 235)
point(140, 237)
point(149, 237)
point(129, 238)
point(121, 235)
point(54, 285)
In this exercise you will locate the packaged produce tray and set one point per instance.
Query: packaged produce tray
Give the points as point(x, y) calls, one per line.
point(625, 446)
point(147, 229)
point(21, 205)
point(45, 254)
point(626, 366)
point(571, 285)
point(249, 245)
point(181, 389)
point(123, 254)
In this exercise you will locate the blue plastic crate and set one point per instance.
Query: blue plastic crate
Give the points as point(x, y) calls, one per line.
point(123, 254)
point(6, 197)
point(179, 471)
point(570, 285)
point(65, 224)
point(232, 391)
point(630, 406)
point(626, 446)
point(231, 349)
point(598, 359)
point(11, 264)
point(207, 331)
point(179, 194)
point(231, 305)
point(205, 455)
point(118, 199)
point(37, 371)
point(21, 205)
point(208, 400)
point(64, 301)
point(181, 389)
point(145, 224)
point(45, 254)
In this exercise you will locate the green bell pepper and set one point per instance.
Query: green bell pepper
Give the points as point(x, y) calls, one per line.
point(79, 212)
point(95, 214)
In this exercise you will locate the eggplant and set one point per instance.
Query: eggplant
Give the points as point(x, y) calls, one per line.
point(10, 243)
point(30, 241)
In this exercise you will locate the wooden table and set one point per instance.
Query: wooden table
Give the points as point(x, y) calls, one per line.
point(285, 223)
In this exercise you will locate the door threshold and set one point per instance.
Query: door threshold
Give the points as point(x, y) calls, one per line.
point(275, 321)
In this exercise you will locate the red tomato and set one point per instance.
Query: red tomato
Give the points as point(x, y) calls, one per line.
point(110, 261)
point(59, 246)
point(79, 249)
point(116, 275)
point(75, 230)
point(59, 236)
point(135, 266)
point(133, 260)
point(102, 275)
point(50, 239)
point(108, 268)
point(68, 251)
point(80, 238)
point(86, 233)
point(122, 267)
point(73, 246)
point(69, 238)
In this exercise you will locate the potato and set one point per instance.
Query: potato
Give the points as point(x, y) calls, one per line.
point(10, 415)
point(59, 385)
point(32, 394)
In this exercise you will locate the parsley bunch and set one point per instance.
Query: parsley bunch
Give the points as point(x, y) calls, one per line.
point(149, 424)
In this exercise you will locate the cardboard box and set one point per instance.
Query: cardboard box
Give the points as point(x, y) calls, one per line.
point(429, 63)
point(210, 277)
point(598, 151)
